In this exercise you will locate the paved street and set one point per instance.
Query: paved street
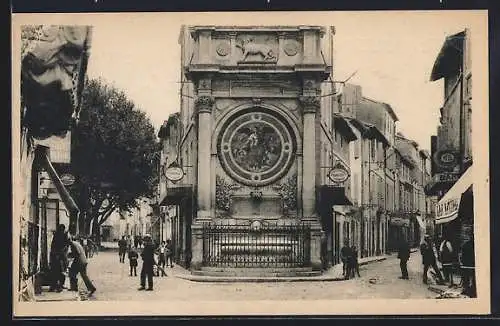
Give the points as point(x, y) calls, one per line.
point(114, 283)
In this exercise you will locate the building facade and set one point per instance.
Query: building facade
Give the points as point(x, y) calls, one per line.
point(50, 104)
point(451, 150)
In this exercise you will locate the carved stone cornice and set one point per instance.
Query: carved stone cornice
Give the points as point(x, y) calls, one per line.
point(204, 104)
point(310, 104)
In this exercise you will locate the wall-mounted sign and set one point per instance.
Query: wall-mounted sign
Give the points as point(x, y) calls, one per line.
point(447, 208)
point(446, 158)
point(446, 177)
point(67, 179)
point(338, 174)
point(174, 173)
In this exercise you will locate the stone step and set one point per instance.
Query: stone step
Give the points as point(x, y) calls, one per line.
point(256, 272)
point(246, 257)
point(256, 269)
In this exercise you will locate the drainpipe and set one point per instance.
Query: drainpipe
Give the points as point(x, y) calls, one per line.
point(361, 148)
point(461, 121)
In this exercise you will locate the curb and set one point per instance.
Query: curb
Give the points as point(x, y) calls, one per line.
point(372, 261)
point(264, 279)
point(236, 279)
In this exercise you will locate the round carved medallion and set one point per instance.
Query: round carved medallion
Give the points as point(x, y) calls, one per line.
point(256, 148)
point(222, 49)
point(291, 48)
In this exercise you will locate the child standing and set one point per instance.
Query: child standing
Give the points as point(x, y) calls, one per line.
point(133, 256)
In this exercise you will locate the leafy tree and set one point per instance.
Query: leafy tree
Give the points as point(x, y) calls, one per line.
point(113, 155)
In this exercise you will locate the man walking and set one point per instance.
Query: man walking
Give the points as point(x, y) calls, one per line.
point(447, 257)
point(169, 253)
point(345, 256)
point(429, 260)
point(162, 256)
point(404, 256)
point(79, 265)
point(122, 249)
point(148, 261)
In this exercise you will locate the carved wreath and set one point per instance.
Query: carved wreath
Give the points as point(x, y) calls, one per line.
point(223, 192)
point(288, 193)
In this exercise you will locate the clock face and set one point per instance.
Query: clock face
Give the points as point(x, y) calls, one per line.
point(256, 147)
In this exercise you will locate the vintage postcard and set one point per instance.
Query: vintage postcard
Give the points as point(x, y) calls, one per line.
point(284, 163)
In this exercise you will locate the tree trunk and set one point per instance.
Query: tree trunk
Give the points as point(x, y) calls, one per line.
point(88, 224)
point(96, 229)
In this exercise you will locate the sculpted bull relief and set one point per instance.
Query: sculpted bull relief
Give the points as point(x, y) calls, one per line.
point(255, 48)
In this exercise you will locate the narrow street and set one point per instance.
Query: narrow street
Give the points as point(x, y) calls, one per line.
point(114, 284)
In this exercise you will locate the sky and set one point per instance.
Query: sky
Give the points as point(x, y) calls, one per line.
point(392, 52)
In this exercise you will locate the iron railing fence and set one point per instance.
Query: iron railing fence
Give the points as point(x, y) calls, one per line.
point(268, 246)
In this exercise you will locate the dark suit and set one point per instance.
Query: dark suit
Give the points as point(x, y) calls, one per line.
point(404, 256)
point(58, 260)
point(429, 260)
point(148, 262)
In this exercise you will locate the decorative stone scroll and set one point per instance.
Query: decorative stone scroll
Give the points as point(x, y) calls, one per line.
point(204, 104)
point(223, 192)
point(288, 193)
point(310, 104)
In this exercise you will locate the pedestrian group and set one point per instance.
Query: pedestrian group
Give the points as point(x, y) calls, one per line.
point(154, 258)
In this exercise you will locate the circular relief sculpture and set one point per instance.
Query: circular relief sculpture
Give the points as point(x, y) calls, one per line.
point(256, 148)
point(222, 49)
point(291, 48)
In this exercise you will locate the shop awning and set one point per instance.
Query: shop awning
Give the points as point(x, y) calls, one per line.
point(448, 207)
point(175, 195)
point(61, 189)
point(332, 195)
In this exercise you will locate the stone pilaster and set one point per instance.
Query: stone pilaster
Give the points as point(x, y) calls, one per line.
point(196, 246)
point(316, 236)
point(310, 107)
point(203, 106)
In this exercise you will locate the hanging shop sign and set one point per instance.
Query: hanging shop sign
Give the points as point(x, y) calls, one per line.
point(174, 172)
point(446, 159)
point(338, 174)
point(446, 177)
point(67, 179)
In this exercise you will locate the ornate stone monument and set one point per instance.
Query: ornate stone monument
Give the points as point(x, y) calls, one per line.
point(257, 101)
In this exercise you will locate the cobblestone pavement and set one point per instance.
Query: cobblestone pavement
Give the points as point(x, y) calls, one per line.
point(378, 280)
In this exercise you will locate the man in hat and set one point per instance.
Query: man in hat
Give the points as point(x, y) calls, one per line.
point(429, 260)
point(148, 261)
point(79, 266)
point(404, 256)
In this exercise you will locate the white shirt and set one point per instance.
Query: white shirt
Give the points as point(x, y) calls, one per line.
point(448, 244)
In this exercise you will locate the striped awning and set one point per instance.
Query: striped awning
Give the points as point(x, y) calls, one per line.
point(448, 207)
